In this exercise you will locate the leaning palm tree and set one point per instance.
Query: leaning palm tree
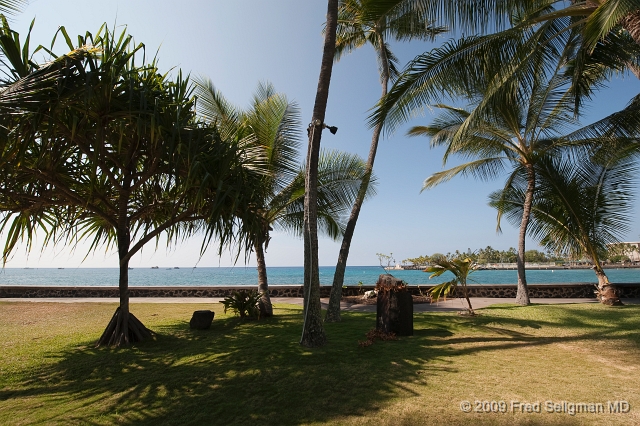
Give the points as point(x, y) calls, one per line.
point(272, 125)
point(513, 130)
point(535, 30)
point(580, 206)
point(358, 25)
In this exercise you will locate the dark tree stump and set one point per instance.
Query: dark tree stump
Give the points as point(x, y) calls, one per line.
point(201, 320)
point(394, 306)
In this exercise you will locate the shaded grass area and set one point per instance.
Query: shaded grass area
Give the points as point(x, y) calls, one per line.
point(255, 372)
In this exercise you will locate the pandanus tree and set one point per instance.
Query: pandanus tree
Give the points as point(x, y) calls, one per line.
point(115, 155)
point(359, 24)
point(272, 125)
point(580, 206)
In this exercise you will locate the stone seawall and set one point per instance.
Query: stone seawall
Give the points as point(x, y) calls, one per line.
point(576, 290)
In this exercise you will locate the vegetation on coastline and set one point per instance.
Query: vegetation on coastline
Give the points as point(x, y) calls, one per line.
point(616, 253)
point(489, 255)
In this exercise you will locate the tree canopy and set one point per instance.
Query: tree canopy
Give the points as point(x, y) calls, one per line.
point(113, 153)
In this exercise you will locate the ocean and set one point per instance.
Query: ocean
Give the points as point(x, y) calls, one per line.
point(241, 275)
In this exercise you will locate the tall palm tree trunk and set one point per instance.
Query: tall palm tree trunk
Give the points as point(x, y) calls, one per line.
point(313, 334)
point(333, 310)
point(266, 309)
point(522, 294)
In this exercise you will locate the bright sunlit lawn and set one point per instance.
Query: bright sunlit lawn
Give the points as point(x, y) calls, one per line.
point(254, 372)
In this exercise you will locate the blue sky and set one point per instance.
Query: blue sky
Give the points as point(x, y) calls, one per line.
point(238, 43)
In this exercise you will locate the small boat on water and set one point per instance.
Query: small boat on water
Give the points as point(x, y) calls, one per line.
point(154, 267)
point(175, 267)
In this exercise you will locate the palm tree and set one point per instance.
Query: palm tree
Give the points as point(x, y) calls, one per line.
point(536, 31)
point(460, 267)
point(313, 334)
point(579, 206)
point(357, 26)
point(514, 130)
point(596, 17)
point(271, 124)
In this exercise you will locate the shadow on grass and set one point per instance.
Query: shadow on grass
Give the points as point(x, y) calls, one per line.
point(235, 373)
point(246, 372)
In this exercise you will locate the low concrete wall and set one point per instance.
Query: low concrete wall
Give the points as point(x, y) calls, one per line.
point(574, 290)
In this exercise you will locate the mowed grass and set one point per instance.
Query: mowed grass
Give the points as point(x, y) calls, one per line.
point(255, 372)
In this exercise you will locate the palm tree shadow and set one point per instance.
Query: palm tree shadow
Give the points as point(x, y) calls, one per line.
point(226, 374)
point(239, 372)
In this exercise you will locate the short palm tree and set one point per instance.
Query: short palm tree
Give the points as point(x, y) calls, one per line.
point(362, 22)
point(272, 124)
point(580, 206)
point(460, 268)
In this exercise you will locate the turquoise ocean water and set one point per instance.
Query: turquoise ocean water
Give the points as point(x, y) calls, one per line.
point(281, 275)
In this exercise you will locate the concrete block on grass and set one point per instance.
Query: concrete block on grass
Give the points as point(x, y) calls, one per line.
point(201, 320)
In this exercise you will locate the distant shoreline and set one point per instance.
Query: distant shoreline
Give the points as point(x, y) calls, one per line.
point(510, 267)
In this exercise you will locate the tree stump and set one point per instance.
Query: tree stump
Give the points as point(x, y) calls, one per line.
point(201, 320)
point(394, 306)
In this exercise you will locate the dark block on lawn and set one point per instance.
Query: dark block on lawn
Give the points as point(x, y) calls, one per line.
point(394, 307)
point(201, 320)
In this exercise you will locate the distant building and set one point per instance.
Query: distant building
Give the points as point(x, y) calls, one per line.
point(633, 255)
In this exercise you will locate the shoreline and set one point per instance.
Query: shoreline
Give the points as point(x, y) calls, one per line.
point(505, 291)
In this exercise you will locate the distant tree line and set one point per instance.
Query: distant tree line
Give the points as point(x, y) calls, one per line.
point(616, 253)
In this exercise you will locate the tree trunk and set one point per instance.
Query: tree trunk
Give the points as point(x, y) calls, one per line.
point(522, 294)
point(313, 334)
point(465, 292)
point(606, 293)
point(333, 311)
point(266, 310)
point(394, 307)
point(124, 328)
point(631, 23)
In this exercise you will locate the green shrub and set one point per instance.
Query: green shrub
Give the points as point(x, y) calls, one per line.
point(243, 303)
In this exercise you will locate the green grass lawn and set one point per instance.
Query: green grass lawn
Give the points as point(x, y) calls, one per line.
point(255, 372)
